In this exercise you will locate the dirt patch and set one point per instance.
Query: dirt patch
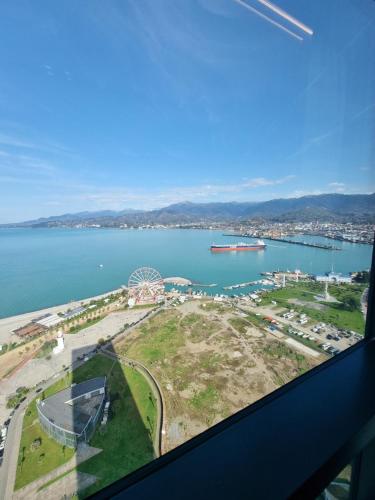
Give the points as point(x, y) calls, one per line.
point(304, 303)
point(210, 363)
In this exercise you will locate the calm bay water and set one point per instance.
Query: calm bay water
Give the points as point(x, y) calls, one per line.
point(45, 267)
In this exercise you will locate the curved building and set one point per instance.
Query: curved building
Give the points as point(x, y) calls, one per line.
point(70, 416)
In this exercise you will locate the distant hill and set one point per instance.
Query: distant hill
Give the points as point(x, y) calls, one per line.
point(76, 217)
point(325, 207)
point(322, 207)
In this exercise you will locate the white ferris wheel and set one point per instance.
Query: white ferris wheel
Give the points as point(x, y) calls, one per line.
point(145, 285)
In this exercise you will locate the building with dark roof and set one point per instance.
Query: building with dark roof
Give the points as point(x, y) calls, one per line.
point(70, 416)
point(30, 330)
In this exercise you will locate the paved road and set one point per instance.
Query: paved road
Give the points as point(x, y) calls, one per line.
point(10, 459)
point(7, 325)
point(78, 344)
point(30, 491)
point(8, 468)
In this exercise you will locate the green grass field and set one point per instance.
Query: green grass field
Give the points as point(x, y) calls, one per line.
point(134, 418)
point(86, 324)
point(127, 440)
point(239, 324)
point(335, 313)
point(158, 339)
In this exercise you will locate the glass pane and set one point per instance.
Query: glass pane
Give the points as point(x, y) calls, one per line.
point(187, 214)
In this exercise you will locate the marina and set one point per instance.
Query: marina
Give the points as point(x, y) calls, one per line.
point(267, 282)
point(65, 262)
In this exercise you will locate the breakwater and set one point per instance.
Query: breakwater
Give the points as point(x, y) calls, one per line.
point(321, 246)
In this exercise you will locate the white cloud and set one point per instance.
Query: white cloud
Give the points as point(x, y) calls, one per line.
point(18, 141)
point(117, 198)
point(337, 187)
point(333, 187)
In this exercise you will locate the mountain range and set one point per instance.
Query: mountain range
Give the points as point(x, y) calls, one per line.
point(324, 208)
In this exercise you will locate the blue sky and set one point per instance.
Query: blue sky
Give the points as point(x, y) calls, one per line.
point(117, 104)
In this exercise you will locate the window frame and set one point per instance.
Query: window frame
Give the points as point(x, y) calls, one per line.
point(331, 441)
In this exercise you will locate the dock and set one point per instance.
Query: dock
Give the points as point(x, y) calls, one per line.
point(321, 246)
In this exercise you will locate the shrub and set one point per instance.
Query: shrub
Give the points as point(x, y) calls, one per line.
point(116, 406)
point(36, 444)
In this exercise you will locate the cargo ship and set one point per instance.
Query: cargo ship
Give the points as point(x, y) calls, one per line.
point(239, 247)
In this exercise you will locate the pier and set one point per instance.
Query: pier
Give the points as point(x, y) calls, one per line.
point(321, 246)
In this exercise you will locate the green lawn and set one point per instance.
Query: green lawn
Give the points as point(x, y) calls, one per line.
point(127, 440)
point(34, 464)
point(158, 339)
point(134, 415)
point(46, 348)
point(86, 324)
point(215, 307)
point(205, 398)
point(239, 324)
point(335, 313)
point(279, 350)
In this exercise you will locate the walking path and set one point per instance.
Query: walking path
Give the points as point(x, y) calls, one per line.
point(83, 453)
point(9, 465)
point(8, 468)
point(160, 409)
point(68, 485)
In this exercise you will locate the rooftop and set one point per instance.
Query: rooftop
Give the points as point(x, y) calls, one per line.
point(72, 408)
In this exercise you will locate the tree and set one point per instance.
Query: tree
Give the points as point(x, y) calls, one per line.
point(116, 406)
point(350, 302)
point(36, 444)
point(23, 458)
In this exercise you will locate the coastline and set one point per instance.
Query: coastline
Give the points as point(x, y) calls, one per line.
point(10, 323)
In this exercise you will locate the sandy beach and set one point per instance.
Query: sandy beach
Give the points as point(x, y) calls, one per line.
point(7, 325)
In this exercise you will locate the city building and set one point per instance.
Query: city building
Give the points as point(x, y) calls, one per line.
point(30, 330)
point(333, 278)
point(48, 320)
point(74, 312)
point(70, 416)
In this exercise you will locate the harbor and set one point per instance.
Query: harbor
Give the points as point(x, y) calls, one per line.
point(177, 253)
point(291, 242)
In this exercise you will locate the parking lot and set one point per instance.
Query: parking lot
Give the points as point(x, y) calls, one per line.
point(327, 337)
